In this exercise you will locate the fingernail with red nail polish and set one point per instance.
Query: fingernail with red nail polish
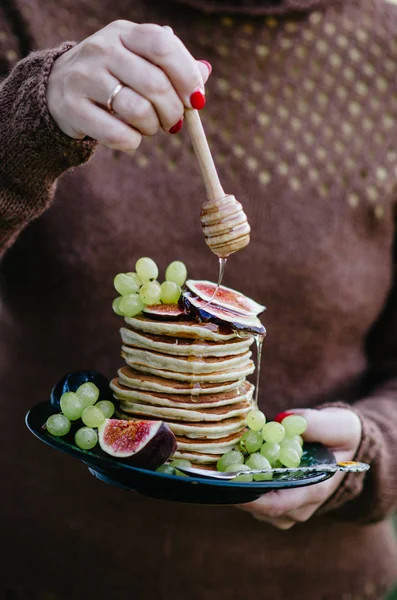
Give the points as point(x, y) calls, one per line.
point(177, 127)
point(197, 100)
point(207, 64)
point(282, 416)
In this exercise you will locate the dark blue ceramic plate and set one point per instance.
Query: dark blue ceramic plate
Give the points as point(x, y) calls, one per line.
point(119, 473)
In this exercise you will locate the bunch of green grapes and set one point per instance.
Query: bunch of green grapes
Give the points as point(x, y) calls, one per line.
point(266, 446)
point(141, 288)
point(82, 404)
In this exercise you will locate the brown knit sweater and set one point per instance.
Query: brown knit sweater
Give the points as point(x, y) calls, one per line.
point(301, 116)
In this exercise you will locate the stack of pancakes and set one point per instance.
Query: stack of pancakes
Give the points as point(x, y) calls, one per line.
point(190, 375)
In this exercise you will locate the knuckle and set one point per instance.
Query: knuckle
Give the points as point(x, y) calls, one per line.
point(161, 43)
point(158, 84)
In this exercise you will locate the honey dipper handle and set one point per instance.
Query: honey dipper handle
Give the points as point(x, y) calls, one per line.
point(203, 154)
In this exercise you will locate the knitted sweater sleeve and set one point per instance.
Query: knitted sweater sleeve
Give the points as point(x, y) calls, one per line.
point(34, 152)
point(372, 496)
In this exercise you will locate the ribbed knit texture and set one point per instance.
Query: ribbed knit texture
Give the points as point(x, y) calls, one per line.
point(301, 117)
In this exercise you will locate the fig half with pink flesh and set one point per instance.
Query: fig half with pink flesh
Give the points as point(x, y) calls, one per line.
point(146, 444)
point(224, 297)
point(163, 311)
point(204, 311)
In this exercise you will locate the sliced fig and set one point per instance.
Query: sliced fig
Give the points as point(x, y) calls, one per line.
point(146, 444)
point(71, 381)
point(164, 311)
point(224, 297)
point(204, 311)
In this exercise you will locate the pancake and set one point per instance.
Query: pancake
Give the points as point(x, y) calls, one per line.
point(199, 431)
point(181, 414)
point(181, 329)
point(197, 458)
point(217, 446)
point(214, 377)
point(138, 381)
point(184, 346)
point(181, 364)
point(122, 393)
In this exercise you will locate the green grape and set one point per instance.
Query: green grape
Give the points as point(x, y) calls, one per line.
point(58, 425)
point(180, 462)
point(294, 425)
point(166, 469)
point(150, 292)
point(299, 439)
point(116, 306)
point(255, 419)
point(230, 458)
point(170, 292)
point(251, 441)
point(71, 405)
point(292, 443)
point(273, 432)
point(88, 392)
point(289, 457)
point(86, 438)
point(146, 269)
point(176, 272)
point(257, 461)
point(92, 416)
point(127, 283)
point(106, 407)
point(270, 451)
point(131, 305)
point(240, 467)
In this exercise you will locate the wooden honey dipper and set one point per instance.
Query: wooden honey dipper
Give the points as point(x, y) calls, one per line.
point(225, 225)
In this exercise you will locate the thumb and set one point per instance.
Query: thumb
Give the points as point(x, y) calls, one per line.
point(333, 427)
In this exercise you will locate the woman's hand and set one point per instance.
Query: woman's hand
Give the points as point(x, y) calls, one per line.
point(337, 428)
point(158, 72)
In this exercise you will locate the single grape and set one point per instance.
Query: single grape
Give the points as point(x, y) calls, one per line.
point(230, 458)
point(294, 425)
point(146, 269)
point(71, 405)
point(58, 425)
point(240, 467)
point(255, 419)
point(88, 392)
point(150, 292)
point(170, 292)
point(116, 306)
point(131, 305)
point(251, 441)
point(166, 469)
point(176, 272)
point(106, 407)
point(257, 461)
point(289, 457)
point(86, 438)
point(92, 416)
point(127, 283)
point(273, 432)
point(180, 462)
point(270, 451)
point(292, 443)
point(299, 439)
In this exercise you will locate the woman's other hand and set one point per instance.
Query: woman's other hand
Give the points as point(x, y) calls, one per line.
point(160, 76)
point(337, 428)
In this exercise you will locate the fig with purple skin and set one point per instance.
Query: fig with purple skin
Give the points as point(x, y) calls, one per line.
point(225, 297)
point(146, 444)
point(163, 311)
point(205, 311)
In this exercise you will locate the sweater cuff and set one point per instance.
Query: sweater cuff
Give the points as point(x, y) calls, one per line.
point(353, 483)
point(69, 151)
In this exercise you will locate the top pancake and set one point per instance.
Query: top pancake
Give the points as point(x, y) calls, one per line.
point(181, 329)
